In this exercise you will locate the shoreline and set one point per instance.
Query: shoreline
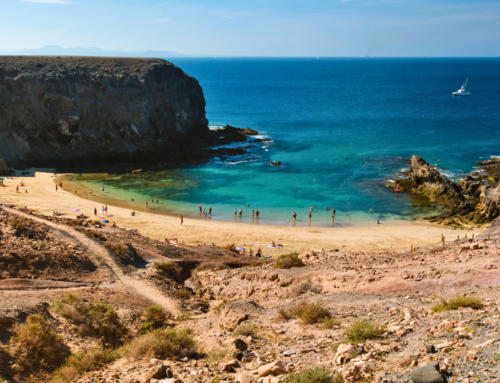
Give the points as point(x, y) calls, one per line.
point(44, 199)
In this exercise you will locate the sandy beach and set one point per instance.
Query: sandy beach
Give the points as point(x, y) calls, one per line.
point(43, 198)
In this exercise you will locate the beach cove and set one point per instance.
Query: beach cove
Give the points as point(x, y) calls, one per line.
point(43, 198)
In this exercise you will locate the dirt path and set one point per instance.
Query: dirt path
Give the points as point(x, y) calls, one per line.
point(142, 288)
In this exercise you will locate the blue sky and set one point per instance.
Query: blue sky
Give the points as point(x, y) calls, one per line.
point(258, 28)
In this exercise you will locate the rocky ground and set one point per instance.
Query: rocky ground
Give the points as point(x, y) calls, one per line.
point(368, 317)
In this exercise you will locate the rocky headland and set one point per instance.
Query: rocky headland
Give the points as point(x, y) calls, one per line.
point(77, 112)
point(473, 200)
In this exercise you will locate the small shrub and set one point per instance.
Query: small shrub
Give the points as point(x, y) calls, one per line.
point(116, 245)
point(362, 330)
point(17, 223)
point(437, 249)
point(456, 303)
point(308, 313)
point(36, 345)
point(208, 266)
point(95, 319)
point(287, 261)
point(314, 375)
point(154, 317)
point(329, 323)
point(314, 313)
point(82, 362)
point(217, 354)
point(247, 329)
point(96, 235)
point(183, 294)
point(161, 344)
point(256, 264)
point(305, 287)
point(184, 316)
point(167, 268)
point(219, 307)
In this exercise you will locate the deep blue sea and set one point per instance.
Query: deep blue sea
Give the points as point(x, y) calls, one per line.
point(338, 126)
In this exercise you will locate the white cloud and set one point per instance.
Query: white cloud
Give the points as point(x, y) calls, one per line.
point(47, 1)
point(159, 21)
point(227, 17)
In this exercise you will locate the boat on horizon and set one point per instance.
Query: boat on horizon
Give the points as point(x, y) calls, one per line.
point(462, 91)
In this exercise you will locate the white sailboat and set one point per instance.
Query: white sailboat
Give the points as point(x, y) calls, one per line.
point(462, 91)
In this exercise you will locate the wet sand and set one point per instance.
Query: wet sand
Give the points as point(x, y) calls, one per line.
point(395, 236)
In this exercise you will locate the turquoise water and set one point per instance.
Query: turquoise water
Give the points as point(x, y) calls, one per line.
point(338, 126)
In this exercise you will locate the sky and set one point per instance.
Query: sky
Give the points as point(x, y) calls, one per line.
point(334, 28)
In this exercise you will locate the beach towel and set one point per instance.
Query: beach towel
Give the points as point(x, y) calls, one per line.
point(275, 247)
point(105, 221)
point(240, 248)
point(75, 210)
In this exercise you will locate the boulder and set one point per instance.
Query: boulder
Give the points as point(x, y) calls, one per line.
point(427, 374)
point(276, 367)
point(156, 372)
point(230, 319)
point(245, 377)
point(240, 345)
point(344, 353)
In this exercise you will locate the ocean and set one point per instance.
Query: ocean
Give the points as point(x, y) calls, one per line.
point(340, 127)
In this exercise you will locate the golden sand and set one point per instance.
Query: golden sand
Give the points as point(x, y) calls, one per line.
point(43, 198)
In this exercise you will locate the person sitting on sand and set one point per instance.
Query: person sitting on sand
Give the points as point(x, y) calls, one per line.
point(243, 252)
point(114, 224)
point(273, 244)
point(259, 252)
point(133, 213)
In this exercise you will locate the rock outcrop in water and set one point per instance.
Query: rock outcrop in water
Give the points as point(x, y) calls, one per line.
point(472, 200)
point(96, 110)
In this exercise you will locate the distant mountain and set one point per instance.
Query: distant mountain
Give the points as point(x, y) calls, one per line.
point(54, 50)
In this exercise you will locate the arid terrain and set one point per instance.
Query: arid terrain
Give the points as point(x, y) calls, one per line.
point(84, 302)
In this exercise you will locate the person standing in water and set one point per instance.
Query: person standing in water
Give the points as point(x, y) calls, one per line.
point(235, 212)
point(182, 219)
point(156, 199)
point(200, 207)
point(253, 213)
point(241, 212)
point(210, 210)
point(294, 216)
point(257, 213)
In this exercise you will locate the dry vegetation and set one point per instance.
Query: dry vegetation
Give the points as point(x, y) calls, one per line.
point(161, 344)
point(287, 261)
point(456, 303)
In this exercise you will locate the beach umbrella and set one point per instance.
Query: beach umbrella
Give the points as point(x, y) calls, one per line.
point(105, 221)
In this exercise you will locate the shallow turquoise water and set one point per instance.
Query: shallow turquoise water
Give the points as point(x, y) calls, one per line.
point(338, 126)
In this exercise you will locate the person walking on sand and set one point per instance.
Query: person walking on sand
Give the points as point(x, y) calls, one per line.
point(106, 210)
point(56, 188)
point(95, 212)
point(90, 192)
point(17, 188)
point(102, 188)
point(102, 208)
point(182, 219)
point(60, 184)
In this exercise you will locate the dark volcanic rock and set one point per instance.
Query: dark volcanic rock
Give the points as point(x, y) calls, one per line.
point(427, 374)
point(82, 110)
point(4, 170)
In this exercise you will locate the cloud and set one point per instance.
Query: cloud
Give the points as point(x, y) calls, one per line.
point(47, 1)
point(227, 17)
point(159, 21)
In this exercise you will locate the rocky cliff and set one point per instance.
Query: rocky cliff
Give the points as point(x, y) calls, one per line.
point(58, 111)
point(471, 200)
